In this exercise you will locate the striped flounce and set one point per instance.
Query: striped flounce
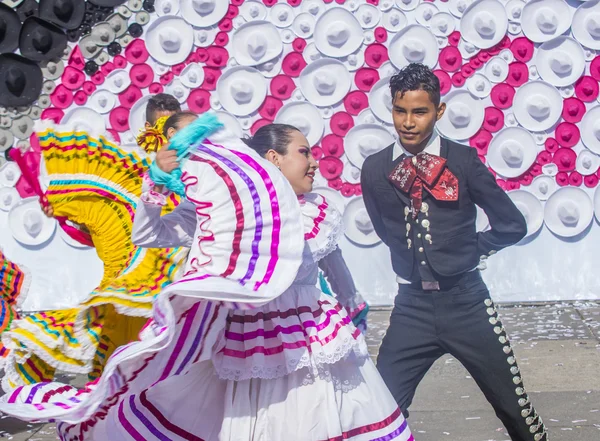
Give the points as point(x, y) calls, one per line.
point(97, 184)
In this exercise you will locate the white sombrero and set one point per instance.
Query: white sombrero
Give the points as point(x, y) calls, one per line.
point(484, 23)
point(366, 117)
point(537, 105)
point(542, 20)
point(514, 28)
point(203, 13)
point(479, 86)
point(458, 7)
point(507, 55)
point(414, 44)
point(586, 24)
point(256, 42)
point(85, 119)
point(543, 186)
point(9, 174)
point(313, 7)
point(393, 20)
point(357, 224)
point(338, 33)
point(9, 196)
point(568, 212)
point(6, 140)
point(510, 120)
point(304, 25)
point(117, 81)
point(351, 173)
point(590, 129)
point(137, 115)
point(166, 7)
point(380, 100)
point(311, 53)
point(28, 224)
point(305, 117)
point(325, 82)
point(192, 76)
point(425, 12)
point(496, 69)
point(253, 10)
point(354, 61)
point(386, 5)
point(22, 127)
point(463, 117)
point(178, 90)
point(368, 16)
point(205, 37)
point(170, 39)
point(271, 68)
point(241, 90)
point(514, 10)
point(364, 140)
point(287, 35)
point(387, 69)
point(52, 69)
point(561, 61)
point(442, 24)
point(467, 50)
point(531, 209)
point(512, 151)
point(587, 163)
point(231, 122)
point(281, 15)
point(408, 5)
point(102, 101)
point(550, 169)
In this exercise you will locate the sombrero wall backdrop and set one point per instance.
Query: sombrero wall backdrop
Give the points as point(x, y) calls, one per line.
point(520, 80)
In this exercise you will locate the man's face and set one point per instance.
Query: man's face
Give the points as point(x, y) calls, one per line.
point(414, 116)
point(157, 115)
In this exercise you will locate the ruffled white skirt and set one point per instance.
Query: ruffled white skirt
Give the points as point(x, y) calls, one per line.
point(295, 369)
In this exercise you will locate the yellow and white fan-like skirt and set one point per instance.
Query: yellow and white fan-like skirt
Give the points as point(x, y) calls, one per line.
point(14, 283)
point(96, 184)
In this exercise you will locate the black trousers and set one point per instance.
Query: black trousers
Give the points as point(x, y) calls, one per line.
point(459, 319)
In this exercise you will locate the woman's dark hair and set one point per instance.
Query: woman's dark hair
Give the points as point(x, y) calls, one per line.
point(416, 76)
point(174, 120)
point(161, 102)
point(271, 137)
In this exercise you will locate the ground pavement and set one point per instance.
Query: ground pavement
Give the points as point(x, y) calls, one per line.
point(558, 350)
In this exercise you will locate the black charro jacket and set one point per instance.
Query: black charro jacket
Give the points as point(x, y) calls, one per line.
point(450, 245)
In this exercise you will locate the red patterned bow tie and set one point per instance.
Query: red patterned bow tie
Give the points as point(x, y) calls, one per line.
point(425, 171)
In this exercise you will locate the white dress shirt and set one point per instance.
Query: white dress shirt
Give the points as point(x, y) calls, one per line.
point(433, 147)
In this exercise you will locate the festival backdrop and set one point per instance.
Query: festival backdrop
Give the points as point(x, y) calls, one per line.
point(520, 79)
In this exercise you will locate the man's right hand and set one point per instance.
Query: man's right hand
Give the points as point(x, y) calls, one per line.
point(167, 159)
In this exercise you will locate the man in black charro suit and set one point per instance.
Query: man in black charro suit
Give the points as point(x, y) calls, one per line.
point(421, 194)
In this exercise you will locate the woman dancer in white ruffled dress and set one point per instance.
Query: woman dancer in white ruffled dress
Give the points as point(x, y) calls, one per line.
point(232, 356)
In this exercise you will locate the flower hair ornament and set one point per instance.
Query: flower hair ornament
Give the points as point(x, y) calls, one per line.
point(152, 139)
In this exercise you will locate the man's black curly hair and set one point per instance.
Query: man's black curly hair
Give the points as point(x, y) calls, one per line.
point(416, 76)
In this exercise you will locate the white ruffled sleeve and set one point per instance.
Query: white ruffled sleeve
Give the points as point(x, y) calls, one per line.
point(151, 230)
point(323, 226)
